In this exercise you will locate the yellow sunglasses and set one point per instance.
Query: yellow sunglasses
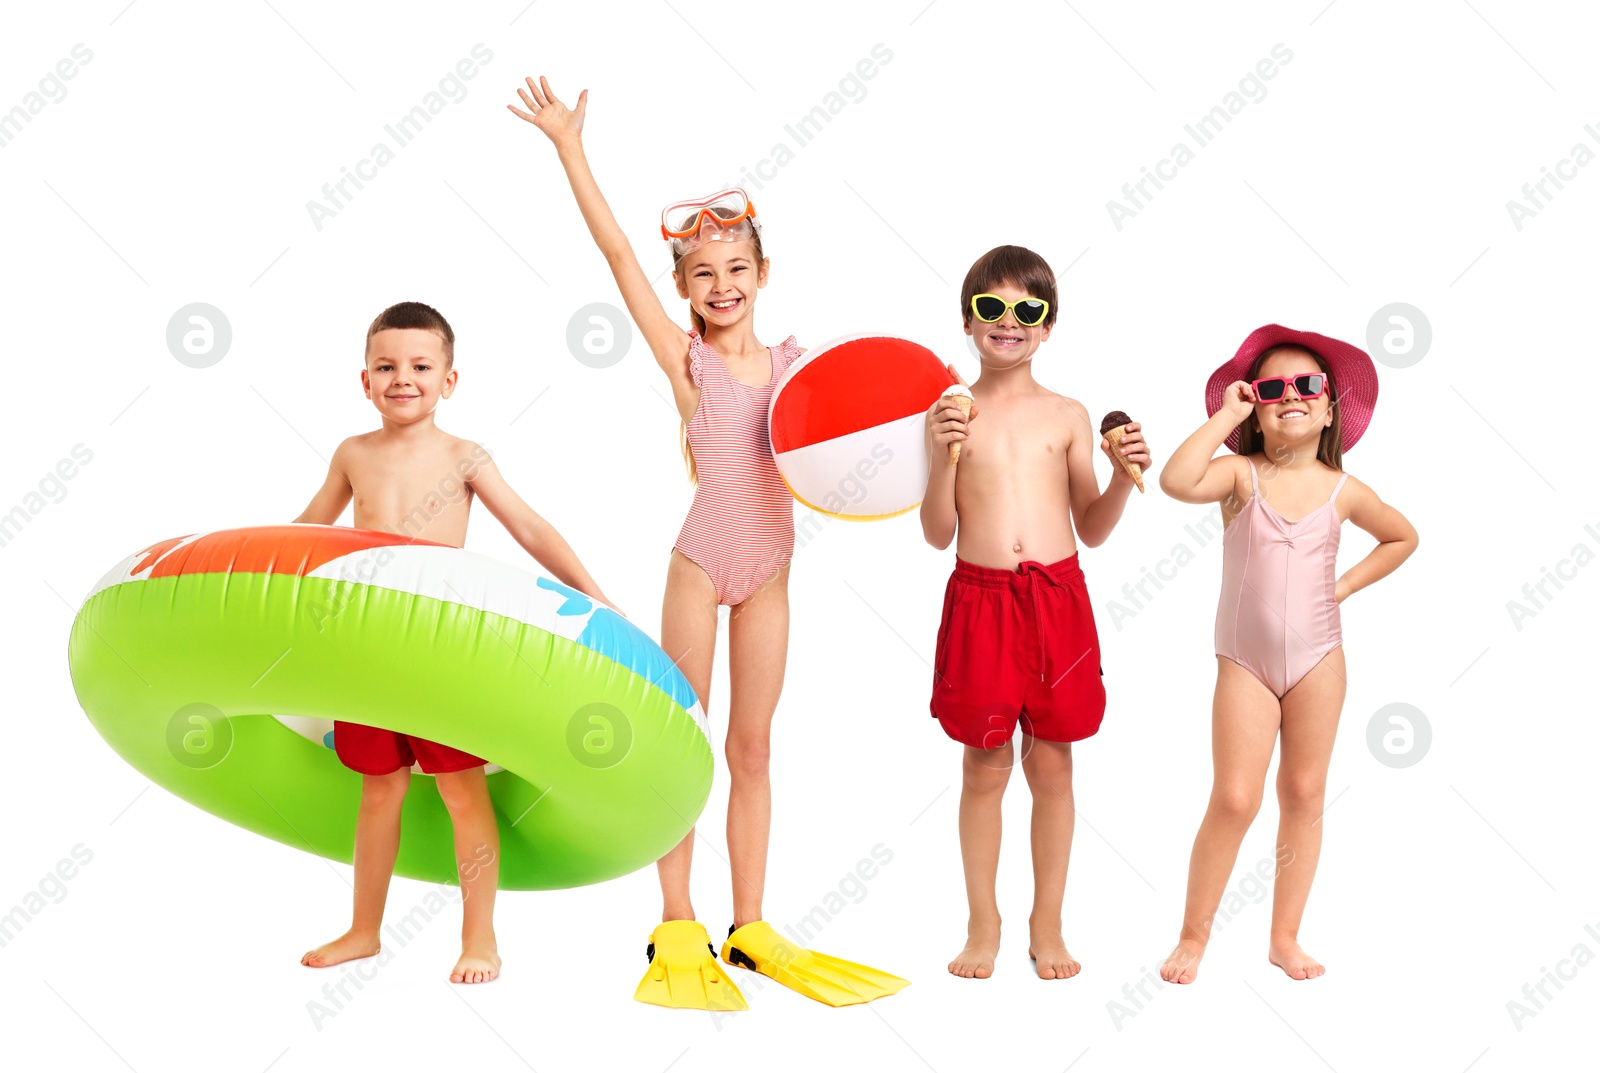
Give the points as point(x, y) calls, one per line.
point(1028, 311)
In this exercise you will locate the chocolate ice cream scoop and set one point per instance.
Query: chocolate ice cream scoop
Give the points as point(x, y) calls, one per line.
point(1112, 420)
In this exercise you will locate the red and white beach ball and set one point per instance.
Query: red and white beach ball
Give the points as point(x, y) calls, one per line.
point(847, 425)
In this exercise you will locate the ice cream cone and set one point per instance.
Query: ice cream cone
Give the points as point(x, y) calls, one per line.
point(1113, 428)
point(965, 402)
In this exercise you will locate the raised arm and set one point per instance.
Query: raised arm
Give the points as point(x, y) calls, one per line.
point(564, 127)
point(1193, 474)
point(1396, 537)
point(334, 495)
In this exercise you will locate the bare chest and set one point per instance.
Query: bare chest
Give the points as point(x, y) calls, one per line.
point(1016, 445)
point(425, 497)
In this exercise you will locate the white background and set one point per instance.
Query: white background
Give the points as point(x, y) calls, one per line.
point(1376, 170)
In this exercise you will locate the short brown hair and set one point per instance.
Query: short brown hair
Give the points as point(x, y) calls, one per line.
point(1330, 451)
point(416, 315)
point(1016, 265)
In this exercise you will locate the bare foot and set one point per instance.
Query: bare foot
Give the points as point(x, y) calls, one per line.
point(1049, 952)
point(346, 947)
point(478, 965)
point(1299, 965)
point(976, 960)
point(1183, 964)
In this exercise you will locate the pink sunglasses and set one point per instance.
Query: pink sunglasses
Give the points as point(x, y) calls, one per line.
point(1306, 385)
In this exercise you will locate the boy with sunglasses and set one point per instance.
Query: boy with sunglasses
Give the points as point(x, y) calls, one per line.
point(1017, 641)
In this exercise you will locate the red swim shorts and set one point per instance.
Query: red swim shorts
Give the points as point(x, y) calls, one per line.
point(372, 751)
point(1017, 644)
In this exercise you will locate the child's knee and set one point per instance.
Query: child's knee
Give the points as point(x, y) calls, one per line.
point(1235, 804)
point(386, 789)
point(461, 789)
point(986, 771)
point(749, 756)
point(1047, 762)
point(1301, 793)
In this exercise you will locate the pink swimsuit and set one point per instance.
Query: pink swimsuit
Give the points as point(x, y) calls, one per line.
point(740, 528)
point(1277, 617)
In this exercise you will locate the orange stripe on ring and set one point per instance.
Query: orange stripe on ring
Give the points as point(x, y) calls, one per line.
point(268, 549)
point(150, 555)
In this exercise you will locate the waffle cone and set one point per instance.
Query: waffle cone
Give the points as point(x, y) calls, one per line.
point(965, 402)
point(1115, 436)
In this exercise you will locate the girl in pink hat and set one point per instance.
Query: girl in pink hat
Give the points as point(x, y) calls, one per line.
point(1289, 405)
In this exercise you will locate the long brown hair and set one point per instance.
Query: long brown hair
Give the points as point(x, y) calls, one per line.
point(699, 323)
point(1330, 451)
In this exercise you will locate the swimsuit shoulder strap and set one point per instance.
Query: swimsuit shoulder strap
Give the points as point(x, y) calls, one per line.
point(699, 361)
point(783, 356)
point(1342, 478)
point(1255, 487)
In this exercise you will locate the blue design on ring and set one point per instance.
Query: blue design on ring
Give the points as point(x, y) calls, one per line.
point(614, 637)
point(577, 603)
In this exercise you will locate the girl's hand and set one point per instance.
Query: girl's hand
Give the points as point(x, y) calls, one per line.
point(1134, 450)
point(1341, 589)
point(559, 123)
point(1239, 400)
point(946, 423)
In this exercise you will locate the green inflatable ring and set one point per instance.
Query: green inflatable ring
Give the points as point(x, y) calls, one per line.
point(212, 663)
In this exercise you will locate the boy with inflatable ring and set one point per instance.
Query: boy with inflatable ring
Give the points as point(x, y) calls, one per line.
point(1017, 640)
point(394, 474)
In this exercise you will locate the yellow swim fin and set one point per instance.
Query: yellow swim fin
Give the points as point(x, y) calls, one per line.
point(684, 972)
point(758, 946)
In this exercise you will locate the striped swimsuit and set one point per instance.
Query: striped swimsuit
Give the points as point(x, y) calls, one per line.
point(740, 528)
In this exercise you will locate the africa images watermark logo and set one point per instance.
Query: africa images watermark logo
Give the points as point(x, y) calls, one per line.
point(1136, 595)
point(51, 89)
point(50, 488)
point(50, 890)
point(451, 89)
point(850, 89)
point(1537, 595)
point(1537, 194)
point(1251, 89)
point(1550, 983)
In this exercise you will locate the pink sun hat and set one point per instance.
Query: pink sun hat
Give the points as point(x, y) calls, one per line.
point(1355, 378)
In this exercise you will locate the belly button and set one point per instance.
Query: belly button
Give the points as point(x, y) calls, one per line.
point(1016, 547)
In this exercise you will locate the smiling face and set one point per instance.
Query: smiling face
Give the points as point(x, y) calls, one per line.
point(405, 375)
point(1005, 343)
point(720, 279)
point(1292, 420)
